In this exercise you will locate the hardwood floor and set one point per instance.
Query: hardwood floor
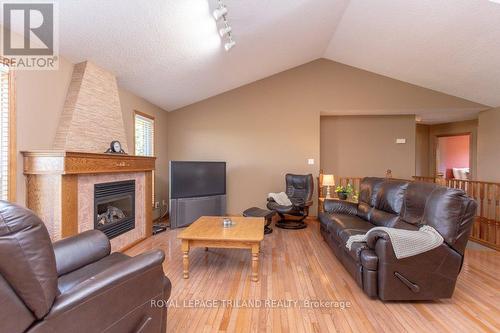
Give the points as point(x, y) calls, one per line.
point(298, 265)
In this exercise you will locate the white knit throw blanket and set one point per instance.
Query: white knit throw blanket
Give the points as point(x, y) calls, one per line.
point(281, 198)
point(406, 243)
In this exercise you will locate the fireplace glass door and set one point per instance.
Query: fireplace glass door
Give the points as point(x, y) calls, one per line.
point(114, 207)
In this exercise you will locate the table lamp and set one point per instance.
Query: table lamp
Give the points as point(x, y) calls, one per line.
point(328, 180)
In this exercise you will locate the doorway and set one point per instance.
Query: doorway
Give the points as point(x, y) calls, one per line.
point(453, 156)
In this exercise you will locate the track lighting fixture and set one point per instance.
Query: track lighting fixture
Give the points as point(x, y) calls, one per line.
point(220, 12)
point(229, 45)
point(225, 32)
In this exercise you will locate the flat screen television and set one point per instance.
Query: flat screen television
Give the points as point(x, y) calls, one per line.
point(189, 179)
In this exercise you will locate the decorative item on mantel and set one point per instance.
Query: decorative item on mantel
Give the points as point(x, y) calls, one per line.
point(328, 181)
point(115, 147)
point(344, 191)
point(388, 173)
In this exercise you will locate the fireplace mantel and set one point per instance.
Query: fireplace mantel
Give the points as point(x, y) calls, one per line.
point(70, 163)
point(54, 182)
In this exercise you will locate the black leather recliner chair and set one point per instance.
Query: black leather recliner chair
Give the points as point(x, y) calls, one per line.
point(76, 284)
point(299, 189)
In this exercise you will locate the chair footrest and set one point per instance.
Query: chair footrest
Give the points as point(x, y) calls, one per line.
point(289, 224)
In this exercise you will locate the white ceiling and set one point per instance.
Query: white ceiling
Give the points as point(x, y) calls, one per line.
point(452, 46)
point(169, 52)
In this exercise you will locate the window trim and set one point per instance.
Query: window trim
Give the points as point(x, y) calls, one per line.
point(153, 176)
point(12, 168)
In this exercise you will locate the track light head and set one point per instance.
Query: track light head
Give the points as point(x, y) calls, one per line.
point(224, 31)
point(229, 45)
point(219, 13)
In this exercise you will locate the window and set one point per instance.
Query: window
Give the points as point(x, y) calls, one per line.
point(7, 135)
point(144, 128)
point(144, 134)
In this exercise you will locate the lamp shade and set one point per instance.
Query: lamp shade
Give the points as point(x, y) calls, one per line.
point(328, 180)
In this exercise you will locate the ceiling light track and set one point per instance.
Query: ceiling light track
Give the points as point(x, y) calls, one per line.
point(220, 14)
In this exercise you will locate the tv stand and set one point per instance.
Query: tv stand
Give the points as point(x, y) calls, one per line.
point(184, 211)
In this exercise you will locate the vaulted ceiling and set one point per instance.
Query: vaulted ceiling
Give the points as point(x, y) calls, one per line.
point(452, 46)
point(169, 52)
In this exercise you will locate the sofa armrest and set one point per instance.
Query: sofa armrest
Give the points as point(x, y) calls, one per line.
point(113, 300)
point(374, 236)
point(426, 276)
point(75, 252)
point(114, 277)
point(340, 207)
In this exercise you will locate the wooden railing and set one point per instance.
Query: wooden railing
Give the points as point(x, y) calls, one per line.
point(424, 179)
point(486, 229)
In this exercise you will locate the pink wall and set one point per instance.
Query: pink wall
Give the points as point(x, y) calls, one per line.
point(453, 152)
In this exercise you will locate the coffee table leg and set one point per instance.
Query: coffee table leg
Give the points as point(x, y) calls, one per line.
point(185, 258)
point(255, 263)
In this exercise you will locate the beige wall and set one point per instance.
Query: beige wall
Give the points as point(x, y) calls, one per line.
point(40, 97)
point(129, 103)
point(488, 161)
point(461, 127)
point(262, 130)
point(361, 146)
point(271, 126)
point(422, 147)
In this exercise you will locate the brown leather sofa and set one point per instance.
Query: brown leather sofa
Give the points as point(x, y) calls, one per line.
point(406, 205)
point(74, 285)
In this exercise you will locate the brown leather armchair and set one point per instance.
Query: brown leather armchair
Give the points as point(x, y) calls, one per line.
point(406, 205)
point(74, 285)
point(299, 189)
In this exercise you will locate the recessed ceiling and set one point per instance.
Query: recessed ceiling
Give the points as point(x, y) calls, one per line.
point(169, 52)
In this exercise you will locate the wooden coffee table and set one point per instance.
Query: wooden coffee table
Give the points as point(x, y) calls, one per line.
point(207, 231)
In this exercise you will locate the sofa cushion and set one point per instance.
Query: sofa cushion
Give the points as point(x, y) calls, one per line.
point(390, 196)
point(13, 307)
point(344, 234)
point(27, 260)
point(382, 218)
point(357, 250)
point(341, 222)
point(364, 211)
point(445, 210)
point(368, 190)
point(414, 202)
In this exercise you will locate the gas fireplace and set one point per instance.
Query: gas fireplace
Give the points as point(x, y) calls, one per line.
point(114, 207)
